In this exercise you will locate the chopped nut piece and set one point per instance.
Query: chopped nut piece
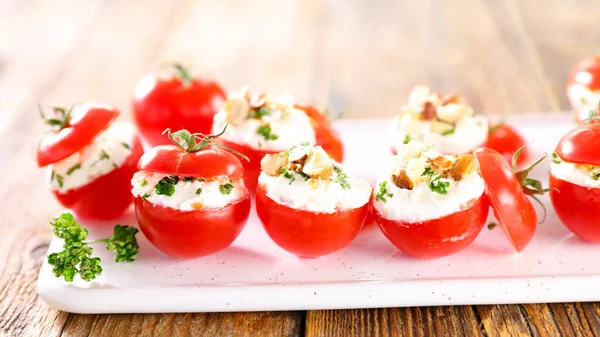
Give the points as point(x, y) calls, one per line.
point(419, 96)
point(318, 164)
point(463, 166)
point(440, 164)
point(271, 164)
point(428, 111)
point(237, 110)
point(411, 150)
point(453, 99)
point(401, 180)
point(197, 205)
point(257, 100)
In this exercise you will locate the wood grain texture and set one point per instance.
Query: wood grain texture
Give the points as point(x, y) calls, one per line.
point(362, 57)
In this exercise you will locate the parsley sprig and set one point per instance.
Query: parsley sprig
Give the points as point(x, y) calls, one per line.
point(436, 184)
point(76, 257)
point(166, 186)
point(266, 132)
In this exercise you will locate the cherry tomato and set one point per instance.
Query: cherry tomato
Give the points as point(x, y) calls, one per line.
point(178, 102)
point(194, 233)
point(506, 140)
point(508, 196)
point(308, 234)
point(580, 146)
point(190, 234)
point(107, 196)
point(327, 137)
point(577, 207)
point(587, 74)
point(73, 129)
point(437, 237)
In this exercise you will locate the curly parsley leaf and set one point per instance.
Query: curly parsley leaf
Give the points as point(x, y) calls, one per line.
point(226, 188)
point(76, 257)
point(266, 132)
point(166, 186)
point(382, 194)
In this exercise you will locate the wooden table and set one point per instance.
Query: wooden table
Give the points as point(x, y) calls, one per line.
point(358, 56)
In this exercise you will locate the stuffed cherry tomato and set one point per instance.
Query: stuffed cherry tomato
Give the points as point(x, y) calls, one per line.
point(261, 124)
point(430, 205)
point(446, 123)
point(583, 87)
point(309, 205)
point(178, 101)
point(90, 159)
point(575, 174)
point(190, 199)
point(506, 140)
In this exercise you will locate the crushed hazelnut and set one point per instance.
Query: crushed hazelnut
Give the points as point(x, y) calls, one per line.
point(271, 164)
point(401, 179)
point(256, 101)
point(440, 164)
point(453, 99)
point(318, 164)
point(237, 109)
point(463, 166)
point(428, 111)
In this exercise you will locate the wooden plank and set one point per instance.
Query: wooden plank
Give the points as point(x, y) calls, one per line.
point(423, 321)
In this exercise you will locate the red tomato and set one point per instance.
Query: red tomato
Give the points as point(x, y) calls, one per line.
point(190, 234)
point(506, 140)
point(587, 74)
point(194, 233)
point(327, 137)
point(107, 196)
point(580, 146)
point(78, 127)
point(508, 196)
point(179, 102)
point(308, 234)
point(578, 207)
point(433, 238)
point(251, 166)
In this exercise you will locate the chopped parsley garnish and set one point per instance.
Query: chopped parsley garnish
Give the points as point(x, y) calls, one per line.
point(287, 175)
point(125, 145)
point(59, 179)
point(115, 165)
point(428, 172)
point(342, 177)
point(226, 188)
point(199, 191)
point(407, 139)
point(303, 175)
point(143, 183)
point(556, 159)
point(145, 196)
point(595, 172)
point(189, 179)
point(257, 114)
point(103, 155)
point(166, 186)
point(286, 153)
point(76, 256)
point(383, 193)
point(266, 132)
point(437, 185)
point(491, 225)
point(449, 132)
point(73, 169)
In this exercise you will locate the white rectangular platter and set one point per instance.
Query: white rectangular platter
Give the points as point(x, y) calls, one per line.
point(254, 274)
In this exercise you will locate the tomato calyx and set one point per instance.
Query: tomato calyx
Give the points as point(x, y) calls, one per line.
point(592, 118)
point(531, 187)
point(194, 142)
point(61, 118)
point(182, 73)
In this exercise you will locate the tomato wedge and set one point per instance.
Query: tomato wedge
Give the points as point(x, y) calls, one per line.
point(77, 127)
point(508, 192)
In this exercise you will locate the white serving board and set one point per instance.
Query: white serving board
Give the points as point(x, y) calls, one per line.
point(254, 274)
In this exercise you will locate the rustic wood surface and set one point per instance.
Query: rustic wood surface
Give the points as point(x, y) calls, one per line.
point(362, 57)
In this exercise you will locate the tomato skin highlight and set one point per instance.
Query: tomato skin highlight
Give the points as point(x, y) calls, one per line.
point(160, 103)
point(512, 208)
point(327, 136)
point(432, 238)
point(191, 234)
point(506, 140)
point(207, 163)
point(87, 121)
point(107, 196)
point(308, 234)
point(580, 146)
point(578, 207)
